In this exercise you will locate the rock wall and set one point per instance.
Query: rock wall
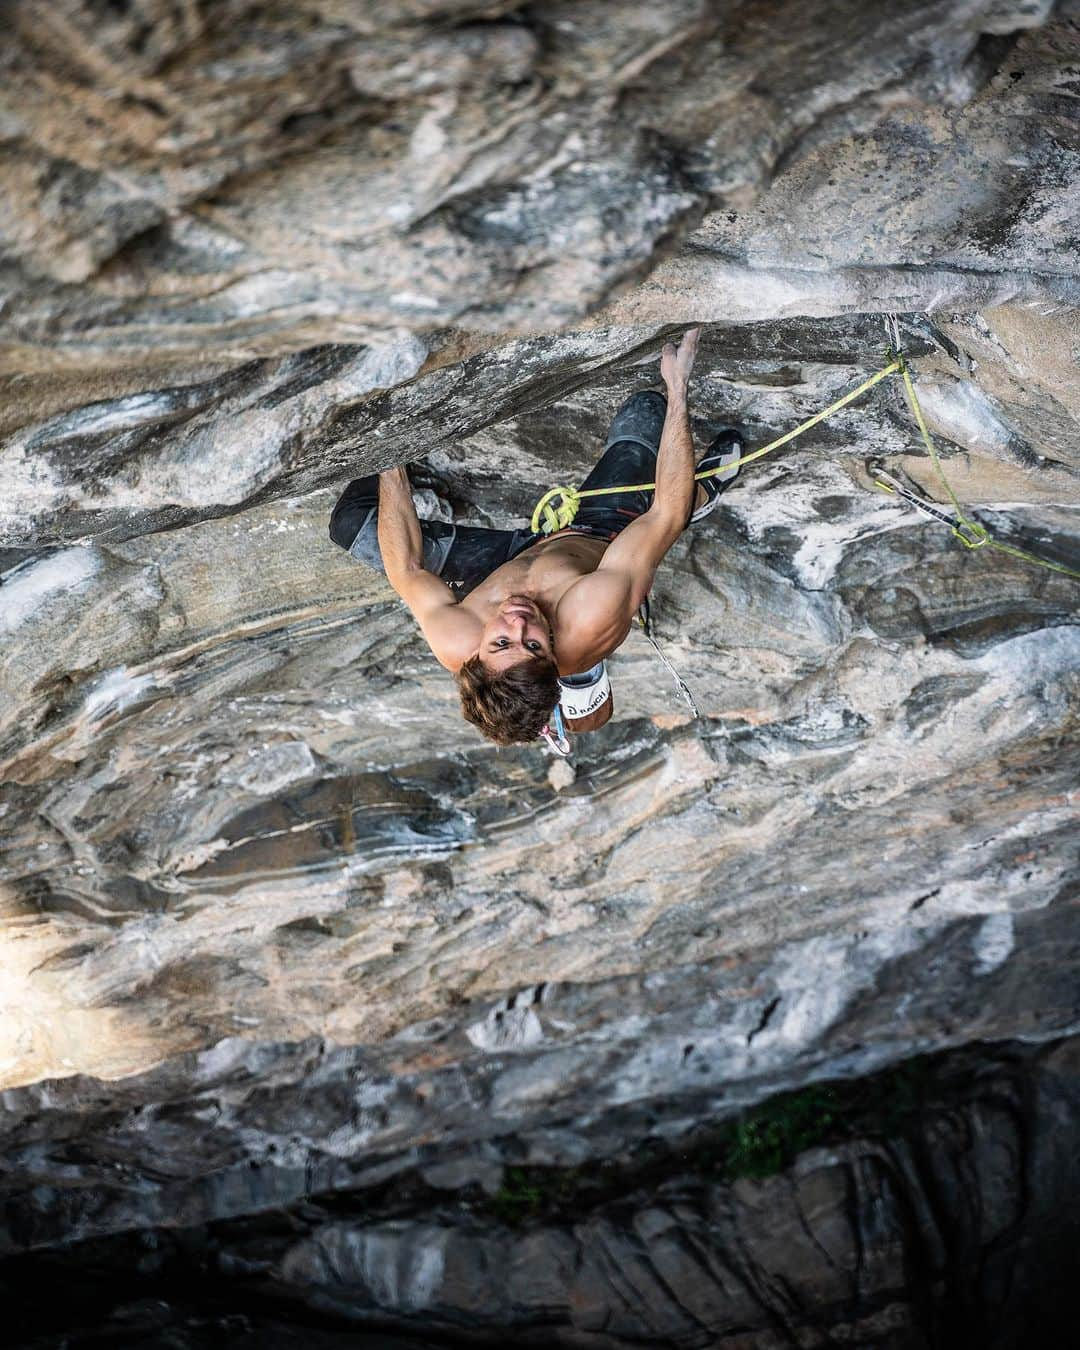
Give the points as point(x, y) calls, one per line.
point(239, 787)
point(191, 180)
point(276, 922)
point(918, 1235)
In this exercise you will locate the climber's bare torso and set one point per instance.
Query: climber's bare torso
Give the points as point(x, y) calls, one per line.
point(569, 599)
point(582, 627)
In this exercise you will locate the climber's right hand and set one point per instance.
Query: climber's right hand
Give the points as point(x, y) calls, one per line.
point(676, 362)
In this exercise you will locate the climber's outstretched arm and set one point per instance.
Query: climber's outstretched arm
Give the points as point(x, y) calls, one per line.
point(452, 633)
point(595, 613)
point(675, 485)
point(400, 541)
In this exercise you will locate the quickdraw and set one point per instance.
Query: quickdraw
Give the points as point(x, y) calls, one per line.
point(970, 533)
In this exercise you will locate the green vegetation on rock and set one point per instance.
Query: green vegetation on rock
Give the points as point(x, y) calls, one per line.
point(758, 1144)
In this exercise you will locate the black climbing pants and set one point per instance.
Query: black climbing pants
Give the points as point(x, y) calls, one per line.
point(463, 555)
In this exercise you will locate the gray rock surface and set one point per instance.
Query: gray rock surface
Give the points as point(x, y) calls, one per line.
point(915, 1171)
point(275, 922)
point(819, 1253)
point(191, 180)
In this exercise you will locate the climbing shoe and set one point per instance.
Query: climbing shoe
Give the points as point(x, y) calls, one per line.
point(422, 475)
point(726, 448)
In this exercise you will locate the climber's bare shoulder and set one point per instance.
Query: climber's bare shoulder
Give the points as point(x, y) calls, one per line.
point(588, 589)
point(592, 620)
point(594, 614)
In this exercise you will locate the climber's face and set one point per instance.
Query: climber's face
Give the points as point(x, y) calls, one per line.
point(517, 631)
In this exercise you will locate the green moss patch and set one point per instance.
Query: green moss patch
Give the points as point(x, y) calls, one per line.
point(757, 1144)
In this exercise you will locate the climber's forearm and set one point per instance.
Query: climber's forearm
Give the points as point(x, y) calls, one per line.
point(400, 541)
point(675, 462)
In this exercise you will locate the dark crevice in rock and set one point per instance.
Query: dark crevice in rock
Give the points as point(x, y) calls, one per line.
point(766, 1017)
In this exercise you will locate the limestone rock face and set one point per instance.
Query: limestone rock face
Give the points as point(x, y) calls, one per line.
point(942, 207)
point(279, 929)
point(191, 180)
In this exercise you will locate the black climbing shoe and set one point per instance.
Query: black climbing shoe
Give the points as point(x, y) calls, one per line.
point(727, 445)
point(422, 475)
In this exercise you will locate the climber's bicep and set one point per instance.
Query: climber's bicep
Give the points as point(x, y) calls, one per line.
point(595, 614)
point(452, 633)
point(636, 552)
point(591, 619)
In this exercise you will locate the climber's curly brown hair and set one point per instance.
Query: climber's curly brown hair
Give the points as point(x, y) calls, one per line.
point(512, 706)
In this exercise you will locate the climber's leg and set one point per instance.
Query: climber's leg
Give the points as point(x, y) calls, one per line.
point(463, 555)
point(629, 456)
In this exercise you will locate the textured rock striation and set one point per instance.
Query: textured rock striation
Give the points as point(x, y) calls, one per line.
point(197, 178)
point(280, 934)
point(917, 1236)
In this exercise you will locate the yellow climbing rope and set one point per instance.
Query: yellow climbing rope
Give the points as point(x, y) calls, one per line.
point(969, 532)
point(557, 508)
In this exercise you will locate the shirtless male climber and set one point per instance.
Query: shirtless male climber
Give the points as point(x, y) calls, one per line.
point(509, 611)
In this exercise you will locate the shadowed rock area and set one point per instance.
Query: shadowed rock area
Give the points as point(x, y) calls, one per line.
point(724, 1239)
point(324, 1022)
